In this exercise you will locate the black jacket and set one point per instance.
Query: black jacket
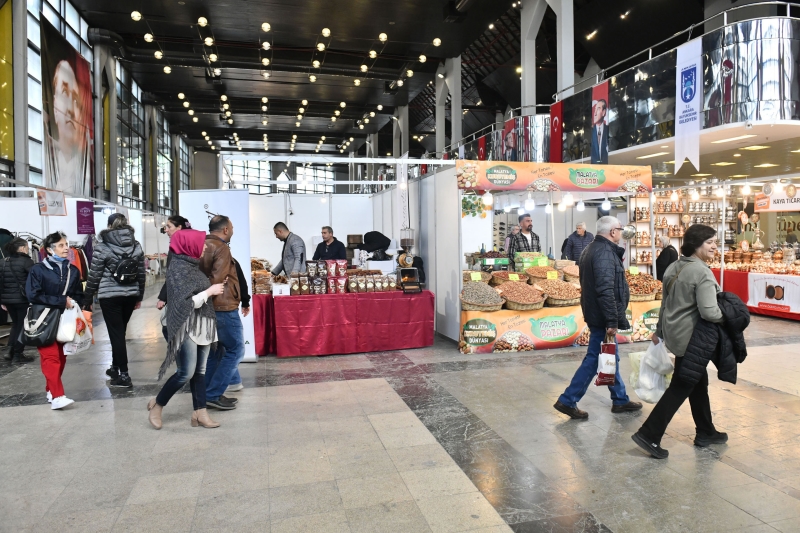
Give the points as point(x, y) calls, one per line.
point(46, 284)
point(112, 245)
point(162, 294)
point(335, 250)
point(13, 277)
point(604, 291)
point(721, 343)
point(243, 292)
point(667, 256)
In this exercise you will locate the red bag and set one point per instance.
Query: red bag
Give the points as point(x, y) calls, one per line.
point(607, 362)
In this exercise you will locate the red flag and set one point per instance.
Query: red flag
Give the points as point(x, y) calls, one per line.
point(556, 132)
point(482, 148)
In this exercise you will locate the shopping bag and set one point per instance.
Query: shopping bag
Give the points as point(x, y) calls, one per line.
point(67, 326)
point(658, 359)
point(87, 315)
point(651, 384)
point(83, 336)
point(636, 361)
point(607, 362)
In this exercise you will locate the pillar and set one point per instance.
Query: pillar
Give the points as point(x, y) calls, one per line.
point(400, 129)
point(530, 21)
point(105, 171)
point(453, 79)
point(565, 48)
point(441, 116)
point(372, 151)
point(19, 23)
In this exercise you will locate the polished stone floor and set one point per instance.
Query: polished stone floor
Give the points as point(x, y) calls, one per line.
point(420, 440)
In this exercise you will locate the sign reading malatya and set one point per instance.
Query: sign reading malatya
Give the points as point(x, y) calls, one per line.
point(546, 177)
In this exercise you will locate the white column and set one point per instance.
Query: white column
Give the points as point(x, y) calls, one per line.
point(397, 135)
point(19, 16)
point(453, 79)
point(531, 19)
point(441, 112)
point(565, 49)
point(402, 122)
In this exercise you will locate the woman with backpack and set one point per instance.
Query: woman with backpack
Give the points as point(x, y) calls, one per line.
point(14, 271)
point(117, 275)
point(56, 284)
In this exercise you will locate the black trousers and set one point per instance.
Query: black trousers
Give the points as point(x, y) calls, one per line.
point(117, 312)
point(678, 391)
point(16, 312)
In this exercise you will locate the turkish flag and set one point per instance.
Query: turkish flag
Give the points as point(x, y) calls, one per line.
point(482, 148)
point(556, 132)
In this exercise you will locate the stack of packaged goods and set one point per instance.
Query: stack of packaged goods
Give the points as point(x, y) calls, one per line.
point(262, 278)
point(525, 260)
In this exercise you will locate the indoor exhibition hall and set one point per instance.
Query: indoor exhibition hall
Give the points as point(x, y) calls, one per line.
point(430, 266)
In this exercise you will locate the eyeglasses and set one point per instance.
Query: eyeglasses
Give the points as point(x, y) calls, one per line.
point(616, 229)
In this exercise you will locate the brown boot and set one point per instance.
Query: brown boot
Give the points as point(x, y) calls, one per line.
point(155, 413)
point(201, 418)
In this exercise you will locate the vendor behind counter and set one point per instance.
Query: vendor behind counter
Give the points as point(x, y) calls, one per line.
point(330, 247)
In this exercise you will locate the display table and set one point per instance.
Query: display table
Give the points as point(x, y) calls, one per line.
point(296, 326)
point(549, 327)
point(765, 294)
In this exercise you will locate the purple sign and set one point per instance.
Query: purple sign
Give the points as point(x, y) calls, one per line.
point(85, 217)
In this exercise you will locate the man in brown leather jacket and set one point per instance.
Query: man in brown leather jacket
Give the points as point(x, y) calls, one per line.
point(223, 365)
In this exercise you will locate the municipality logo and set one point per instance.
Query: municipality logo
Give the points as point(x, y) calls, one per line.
point(688, 83)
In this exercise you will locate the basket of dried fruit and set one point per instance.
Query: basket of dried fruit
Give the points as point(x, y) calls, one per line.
point(659, 295)
point(485, 276)
point(572, 273)
point(500, 277)
point(478, 296)
point(539, 273)
point(559, 293)
point(643, 297)
point(643, 287)
point(521, 297)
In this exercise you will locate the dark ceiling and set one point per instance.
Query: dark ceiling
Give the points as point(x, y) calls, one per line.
point(489, 60)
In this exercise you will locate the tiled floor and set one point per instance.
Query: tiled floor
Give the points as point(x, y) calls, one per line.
point(420, 440)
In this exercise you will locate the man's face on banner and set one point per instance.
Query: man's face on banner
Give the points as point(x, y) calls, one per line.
point(511, 141)
point(66, 107)
point(599, 113)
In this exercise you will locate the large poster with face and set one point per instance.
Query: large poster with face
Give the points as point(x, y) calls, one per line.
point(600, 123)
point(68, 122)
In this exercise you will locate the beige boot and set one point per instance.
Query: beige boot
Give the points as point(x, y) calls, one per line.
point(155, 413)
point(201, 418)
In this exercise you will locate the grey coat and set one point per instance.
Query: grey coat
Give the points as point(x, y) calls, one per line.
point(293, 258)
point(111, 246)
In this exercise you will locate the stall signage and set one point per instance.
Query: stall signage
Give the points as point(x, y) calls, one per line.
point(501, 175)
point(552, 274)
point(51, 203)
point(513, 277)
point(541, 261)
point(476, 276)
point(587, 178)
point(775, 292)
point(554, 328)
point(645, 325)
point(777, 201)
point(479, 332)
point(488, 261)
point(634, 270)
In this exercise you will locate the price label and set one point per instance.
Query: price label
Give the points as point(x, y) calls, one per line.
point(513, 277)
point(634, 270)
point(541, 261)
point(552, 274)
point(476, 276)
point(489, 261)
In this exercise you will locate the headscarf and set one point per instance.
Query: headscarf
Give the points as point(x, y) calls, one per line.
point(188, 242)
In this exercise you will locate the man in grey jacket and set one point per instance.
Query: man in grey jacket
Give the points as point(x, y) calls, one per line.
point(293, 256)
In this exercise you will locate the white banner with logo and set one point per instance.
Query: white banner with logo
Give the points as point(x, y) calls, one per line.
point(776, 292)
point(688, 103)
point(786, 199)
point(51, 203)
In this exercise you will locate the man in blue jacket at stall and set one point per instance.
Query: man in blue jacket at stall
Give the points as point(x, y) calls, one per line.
point(330, 247)
point(577, 242)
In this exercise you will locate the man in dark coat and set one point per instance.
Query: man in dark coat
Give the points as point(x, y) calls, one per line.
point(330, 247)
point(604, 301)
point(577, 242)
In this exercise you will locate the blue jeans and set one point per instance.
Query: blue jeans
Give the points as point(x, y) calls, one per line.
point(224, 364)
point(587, 372)
point(191, 361)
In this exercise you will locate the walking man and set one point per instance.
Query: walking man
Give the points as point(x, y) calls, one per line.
point(218, 264)
point(604, 299)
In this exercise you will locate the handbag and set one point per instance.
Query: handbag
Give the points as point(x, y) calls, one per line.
point(607, 362)
point(41, 323)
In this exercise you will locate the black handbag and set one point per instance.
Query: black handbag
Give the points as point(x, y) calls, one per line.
point(40, 325)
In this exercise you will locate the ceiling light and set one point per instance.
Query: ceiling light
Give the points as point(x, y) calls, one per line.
point(722, 164)
point(437, 41)
point(507, 209)
point(337, 112)
point(212, 57)
point(322, 138)
point(366, 121)
point(380, 107)
point(674, 196)
point(312, 78)
point(606, 205)
point(342, 105)
point(148, 37)
point(265, 61)
point(519, 70)
point(746, 189)
point(729, 139)
point(423, 58)
point(209, 41)
point(382, 37)
point(266, 75)
point(264, 99)
point(264, 122)
point(700, 175)
point(740, 176)
point(227, 113)
point(230, 121)
point(766, 165)
point(548, 208)
point(266, 26)
point(491, 26)
point(202, 22)
point(203, 133)
point(186, 104)
point(581, 206)
point(224, 98)
point(364, 68)
point(409, 73)
point(136, 16)
point(299, 117)
point(167, 70)
point(562, 207)
point(652, 155)
point(357, 82)
point(263, 108)
point(158, 54)
point(333, 119)
point(695, 195)
point(399, 83)
point(181, 96)
point(372, 113)
point(217, 72)
point(315, 64)
point(302, 110)
point(755, 147)
point(361, 126)
point(194, 119)
point(206, 137)
point(373, 54)
point(225, 106)
point(326, 32)
point(589, 37)
point(351, 139)
point(320, 47)
point(624, 15)
point(209, 142)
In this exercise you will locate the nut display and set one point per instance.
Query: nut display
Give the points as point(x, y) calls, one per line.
point(479, 293)
point(640, 331)
point(572, 271)
point(642, 283)
point(539, 272)
point(583, 338)
point(467, 175)
point(560, 290)
point(505, 276)
point(513, 341)
point(520, 292)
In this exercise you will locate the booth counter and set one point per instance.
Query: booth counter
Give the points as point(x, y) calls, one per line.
point(765, 294)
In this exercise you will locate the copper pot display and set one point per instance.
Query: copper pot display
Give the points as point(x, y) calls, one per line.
point(747, 257)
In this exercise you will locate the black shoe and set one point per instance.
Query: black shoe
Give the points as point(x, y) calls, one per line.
point(572, 412)
point(653, 448)
point(220, 404)
point(704, 440)
point(628, 407)
point(21, 359)
point(121, 381)
point(112, 372)
point(233, 401)
point(8, 355)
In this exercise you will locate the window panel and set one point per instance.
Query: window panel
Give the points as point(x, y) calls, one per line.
point(34, 6)
point(73, 39)
point(84, 30)
point(72, 18)
point(34, 63)
point(33, 31)
point(56, 4)
point(35, 154)
point(34, 94)
point(35, 125)
point(35, 177)
point(52, 16)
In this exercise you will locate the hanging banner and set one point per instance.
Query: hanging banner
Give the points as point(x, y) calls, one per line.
point(600, 123)
point(510, 140)
point(688, 104)
point(68, 121)
point(51, 203)
point(769, 199)
point(556, 132)
point(482, 148)
point(775, 292)
point(85, 213)
point(547, 177)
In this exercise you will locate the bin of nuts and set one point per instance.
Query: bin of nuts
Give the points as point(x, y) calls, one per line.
point(501, 277)
point(559, 293)
point(572, 273)
point(478, 296)
point(540, 273)
point(520, 296)
point(643, 287)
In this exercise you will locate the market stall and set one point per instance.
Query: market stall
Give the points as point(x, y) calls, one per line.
point(535, 304)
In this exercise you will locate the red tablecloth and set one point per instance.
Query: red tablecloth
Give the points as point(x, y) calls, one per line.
point(738, 283)
point(294, 326)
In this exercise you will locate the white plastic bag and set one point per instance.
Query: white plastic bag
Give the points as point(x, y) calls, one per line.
point(658, 359)
point(636, 361)
point(82, 339)
point(651, 384)
point(67, 325)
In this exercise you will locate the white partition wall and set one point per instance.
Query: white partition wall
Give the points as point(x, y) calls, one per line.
point(448, 253)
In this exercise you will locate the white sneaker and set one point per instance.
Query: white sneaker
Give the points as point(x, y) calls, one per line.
point(61, 402)
point(234, 388)
point(49, 397)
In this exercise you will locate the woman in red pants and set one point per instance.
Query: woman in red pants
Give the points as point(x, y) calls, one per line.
point(55, 283)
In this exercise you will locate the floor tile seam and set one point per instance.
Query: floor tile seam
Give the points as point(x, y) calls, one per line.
point(760, 476)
